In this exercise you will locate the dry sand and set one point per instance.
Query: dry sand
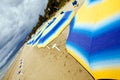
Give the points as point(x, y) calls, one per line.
point(47, 63)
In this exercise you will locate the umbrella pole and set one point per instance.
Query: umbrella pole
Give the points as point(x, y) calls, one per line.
point(54, 46)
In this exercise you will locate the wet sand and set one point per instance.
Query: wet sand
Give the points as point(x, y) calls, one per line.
point(48, 63)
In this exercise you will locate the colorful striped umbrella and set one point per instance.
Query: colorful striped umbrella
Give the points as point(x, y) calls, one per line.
point(55, 28)
point(94, 38)
point(34, 40)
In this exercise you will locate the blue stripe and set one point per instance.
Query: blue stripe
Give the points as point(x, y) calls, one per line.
point(108, 40)
point(51, 22)
point(51, 32)
point(109, 55)
point(30, 42)
point(78, 50)
point(107, 26)
point(72, 23)
point(102, 27)
point(67, 14)
point(93, 1)
point(81, 40)
point(55, 28)
point(38, 38)
point(108, 37)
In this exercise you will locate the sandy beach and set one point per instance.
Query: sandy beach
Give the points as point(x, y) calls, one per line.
point(48, 63)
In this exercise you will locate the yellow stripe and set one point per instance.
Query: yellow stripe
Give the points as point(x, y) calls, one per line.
point(107, 73)
point(93, 14)
point(52, 25)
point(98, 12)
point(82, 62)
point(40, 30)
point(58, 32)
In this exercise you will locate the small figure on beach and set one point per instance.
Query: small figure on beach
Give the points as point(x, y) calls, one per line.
point(20, 66)
point(19, 72)
point(20, 59)
point(75, 3)
point(21, 62)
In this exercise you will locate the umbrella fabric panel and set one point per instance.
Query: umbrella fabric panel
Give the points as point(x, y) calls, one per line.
point(46, 31)
point(39, 32)
point(51, 33)
point(105, 51)
point(77, 46)
point(52, 25)
point(79, 54)
point(38, 36)
point(94, 38)
point(46, 25)
point(29, 42)
point(66, 15)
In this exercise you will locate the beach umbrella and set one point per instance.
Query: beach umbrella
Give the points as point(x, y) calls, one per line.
point(94, 38)
point(55, 28)
point(35, 36)
point(34, 40)
point(30, 41)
